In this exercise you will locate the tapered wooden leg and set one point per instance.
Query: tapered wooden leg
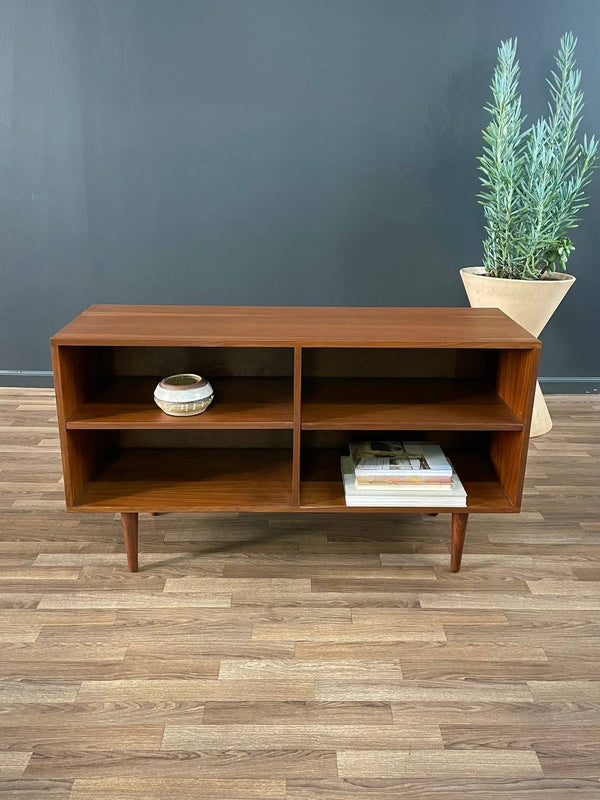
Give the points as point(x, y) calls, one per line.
point(130, 534)
point(459, 528)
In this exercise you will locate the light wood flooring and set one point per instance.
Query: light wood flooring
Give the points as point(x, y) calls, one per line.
point(269, 657)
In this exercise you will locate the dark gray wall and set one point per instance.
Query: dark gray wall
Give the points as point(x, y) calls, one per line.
point(317, 152)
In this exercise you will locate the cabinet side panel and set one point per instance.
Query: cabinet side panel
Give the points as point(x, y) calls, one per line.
point(74, 369)
point(516, 379)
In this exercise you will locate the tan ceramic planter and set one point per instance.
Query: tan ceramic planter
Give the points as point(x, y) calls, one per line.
point(530, 303)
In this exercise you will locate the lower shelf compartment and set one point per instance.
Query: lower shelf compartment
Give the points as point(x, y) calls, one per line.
point(322, 489)
point(189, 479)
point(172, 479)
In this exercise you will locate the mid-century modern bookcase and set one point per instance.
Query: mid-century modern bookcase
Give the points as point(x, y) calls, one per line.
point(292, 387)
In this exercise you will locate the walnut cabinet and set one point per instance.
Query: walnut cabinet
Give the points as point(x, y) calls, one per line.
point(292, 387)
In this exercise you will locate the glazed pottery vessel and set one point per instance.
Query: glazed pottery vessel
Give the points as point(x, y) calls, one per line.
point(183, 395)
point(530, 303)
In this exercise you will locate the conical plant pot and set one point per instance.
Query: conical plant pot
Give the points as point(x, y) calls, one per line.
point(530, 303)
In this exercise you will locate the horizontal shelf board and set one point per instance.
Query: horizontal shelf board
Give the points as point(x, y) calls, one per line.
point(404, 404)
point(240, 403)
point(272, 326)
point(183, 479)
point(322, 488)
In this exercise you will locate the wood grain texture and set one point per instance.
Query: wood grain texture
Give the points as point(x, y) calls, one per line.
point(185, 789)
point(288, 657)
point(423, 691)
point(385, 764)
point(444, 788)
point(200, 690)
point(243, 326)
point(261, 764)
point(311, 737)
point(13, 763)
point(59, 737)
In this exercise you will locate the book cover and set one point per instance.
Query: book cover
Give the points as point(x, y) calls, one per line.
point(382, 458)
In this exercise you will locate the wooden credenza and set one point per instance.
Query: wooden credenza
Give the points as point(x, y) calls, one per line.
point(292, 387)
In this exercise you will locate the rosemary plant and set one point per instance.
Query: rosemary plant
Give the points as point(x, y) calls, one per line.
point(533, 179)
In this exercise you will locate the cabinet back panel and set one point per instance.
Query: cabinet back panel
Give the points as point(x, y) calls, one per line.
point(206, 361)
point(398, 363)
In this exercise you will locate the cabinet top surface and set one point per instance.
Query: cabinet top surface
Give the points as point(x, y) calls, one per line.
point(273, 326)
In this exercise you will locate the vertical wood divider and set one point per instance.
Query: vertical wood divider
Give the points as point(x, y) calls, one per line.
point(297, 431)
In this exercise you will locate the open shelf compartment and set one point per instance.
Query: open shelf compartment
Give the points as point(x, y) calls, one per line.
point(115, 387)
point(321, 487)
point(162, 471)
point(473, 456)
point(126, 403)
point(402, 389)
point(407, 403)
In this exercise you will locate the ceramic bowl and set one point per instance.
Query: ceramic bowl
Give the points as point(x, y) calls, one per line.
point(183, 395)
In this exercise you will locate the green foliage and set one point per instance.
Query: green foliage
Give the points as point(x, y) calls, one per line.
point(533, 180)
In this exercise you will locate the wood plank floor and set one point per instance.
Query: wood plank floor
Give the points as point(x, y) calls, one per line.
point(296, 658)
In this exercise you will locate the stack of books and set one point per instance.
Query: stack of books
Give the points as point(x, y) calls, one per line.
point(409, 474)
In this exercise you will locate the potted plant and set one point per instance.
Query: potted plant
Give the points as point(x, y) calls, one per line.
point(533, 189)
